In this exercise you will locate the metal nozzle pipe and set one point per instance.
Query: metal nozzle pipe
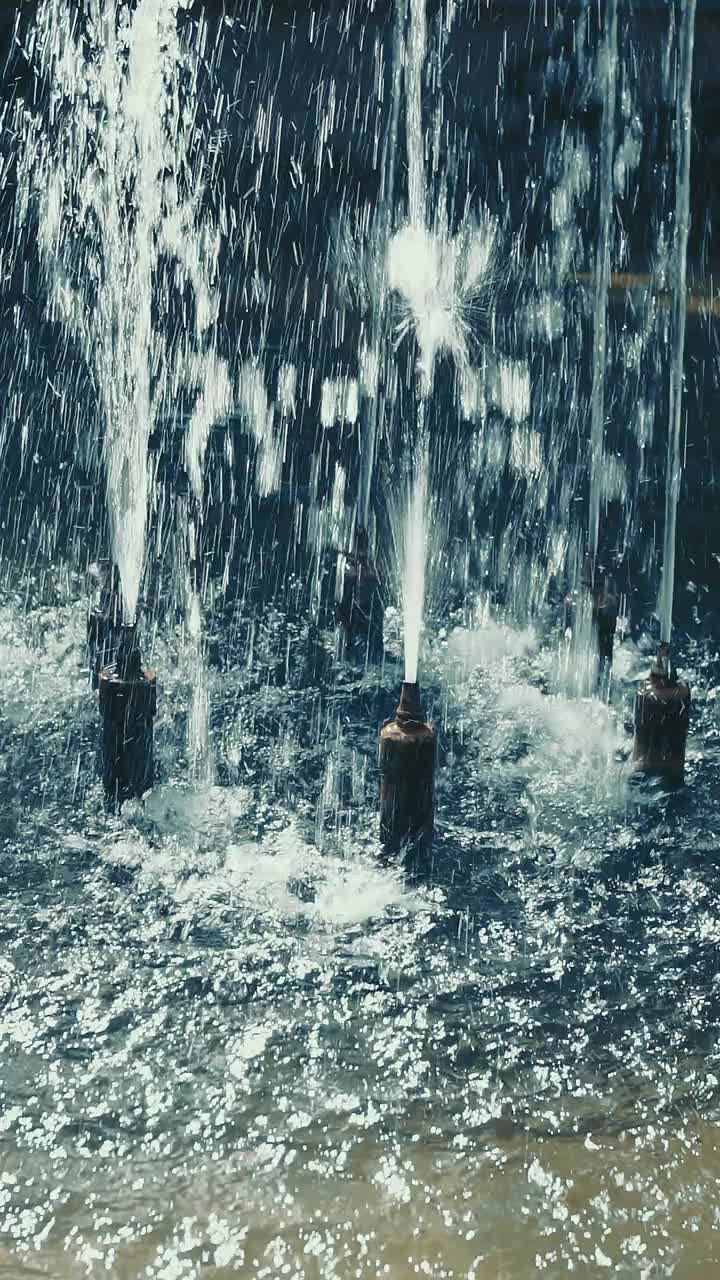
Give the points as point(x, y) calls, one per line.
point(662, 718)
point(104, 618)
point(406, 752)
point(128, 703)
point(360, 607)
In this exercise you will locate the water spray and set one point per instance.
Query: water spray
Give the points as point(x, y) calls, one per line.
point(128, 703)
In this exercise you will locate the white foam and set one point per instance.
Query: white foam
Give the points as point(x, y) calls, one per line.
point(490, 643)
point(184, 840)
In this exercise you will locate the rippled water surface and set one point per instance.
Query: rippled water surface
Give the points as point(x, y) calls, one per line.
point(235, 1043)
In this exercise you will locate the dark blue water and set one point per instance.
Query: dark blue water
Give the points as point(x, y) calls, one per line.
point(233, 1039)
point(228, 1029)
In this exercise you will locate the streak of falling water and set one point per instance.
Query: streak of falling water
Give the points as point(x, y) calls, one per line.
point(673, 469)
point(415, 60)
point(602, 275)
point(414, 553)
point(379, 344)
point(415, 532)
point(113, 157)
point(198, 733)
point(215, 399)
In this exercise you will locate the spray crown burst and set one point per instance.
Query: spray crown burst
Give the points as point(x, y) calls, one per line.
point(441, 284)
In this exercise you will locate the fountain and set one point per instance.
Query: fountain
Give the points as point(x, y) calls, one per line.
point(116, 168)
point(357, 314)
point(406, 755)
point(407, 746)
point(128, 703)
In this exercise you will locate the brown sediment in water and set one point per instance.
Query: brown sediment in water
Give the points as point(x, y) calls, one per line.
point(700, 299)
point(641, 1203)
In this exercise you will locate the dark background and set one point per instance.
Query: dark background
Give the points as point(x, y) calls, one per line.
point(520, 93)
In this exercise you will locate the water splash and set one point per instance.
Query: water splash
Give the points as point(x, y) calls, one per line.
point(441, 282)
point(215, 400)
point(115, 163)
point(259, 415)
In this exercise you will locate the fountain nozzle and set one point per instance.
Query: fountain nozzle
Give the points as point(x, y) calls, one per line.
point(104, 617)
point(662, 717)
point(602, 589)
point(409, 708)
point(128, 703)
point(359, 610)
point(662, 670)
point(407, 750)
point(128, 661)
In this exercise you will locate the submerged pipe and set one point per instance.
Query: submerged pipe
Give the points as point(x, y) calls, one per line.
point(605, 616)
point(406, 753)
point(605, 607)
point(360, 610)
point(104, 619)
point(128, 703)
point(662, 715)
